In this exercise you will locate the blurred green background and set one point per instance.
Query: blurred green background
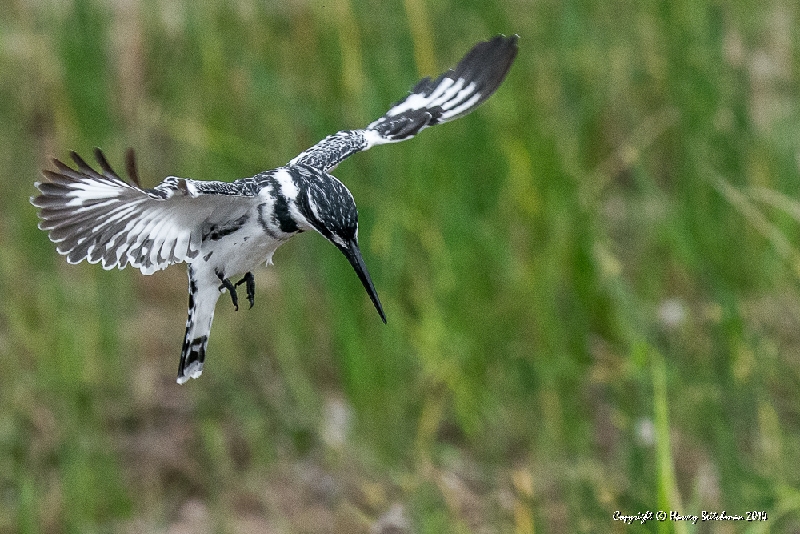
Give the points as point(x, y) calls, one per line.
point(591, 282)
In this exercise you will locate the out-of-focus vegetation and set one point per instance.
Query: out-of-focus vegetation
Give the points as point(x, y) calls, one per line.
point(591, 282)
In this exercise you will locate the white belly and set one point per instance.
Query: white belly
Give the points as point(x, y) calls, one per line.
point(240, 252)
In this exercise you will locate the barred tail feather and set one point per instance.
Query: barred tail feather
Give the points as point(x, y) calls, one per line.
point(203, 296)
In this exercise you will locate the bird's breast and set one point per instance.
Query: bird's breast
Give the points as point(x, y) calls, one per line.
point(239, 248)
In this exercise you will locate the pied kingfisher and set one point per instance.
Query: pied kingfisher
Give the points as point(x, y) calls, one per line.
point(222, 229)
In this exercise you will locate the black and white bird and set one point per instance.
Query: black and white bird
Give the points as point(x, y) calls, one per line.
point(223, 229)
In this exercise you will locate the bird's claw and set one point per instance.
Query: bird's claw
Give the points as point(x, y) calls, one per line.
point(250, 285)
point(227, 284)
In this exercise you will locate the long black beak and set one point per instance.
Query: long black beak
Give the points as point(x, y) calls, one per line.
point(353, 253)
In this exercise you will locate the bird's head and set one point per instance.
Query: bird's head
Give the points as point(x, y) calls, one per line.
point(328, 207)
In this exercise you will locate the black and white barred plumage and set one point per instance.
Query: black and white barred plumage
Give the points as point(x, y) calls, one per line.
point(223, 229)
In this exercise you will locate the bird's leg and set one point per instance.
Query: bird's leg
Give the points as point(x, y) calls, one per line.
point(250, 285)
point(227, 284)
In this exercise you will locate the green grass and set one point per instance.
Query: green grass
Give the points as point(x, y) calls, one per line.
point(591, 283)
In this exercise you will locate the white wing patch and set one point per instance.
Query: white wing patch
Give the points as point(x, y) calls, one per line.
point(414, 101)
point(452, 96)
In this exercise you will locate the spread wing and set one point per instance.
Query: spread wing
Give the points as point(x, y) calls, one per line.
point(453, 94)
point(99, 217)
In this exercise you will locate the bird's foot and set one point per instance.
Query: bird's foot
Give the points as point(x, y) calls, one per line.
point(227, 284)
point(250, 284)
